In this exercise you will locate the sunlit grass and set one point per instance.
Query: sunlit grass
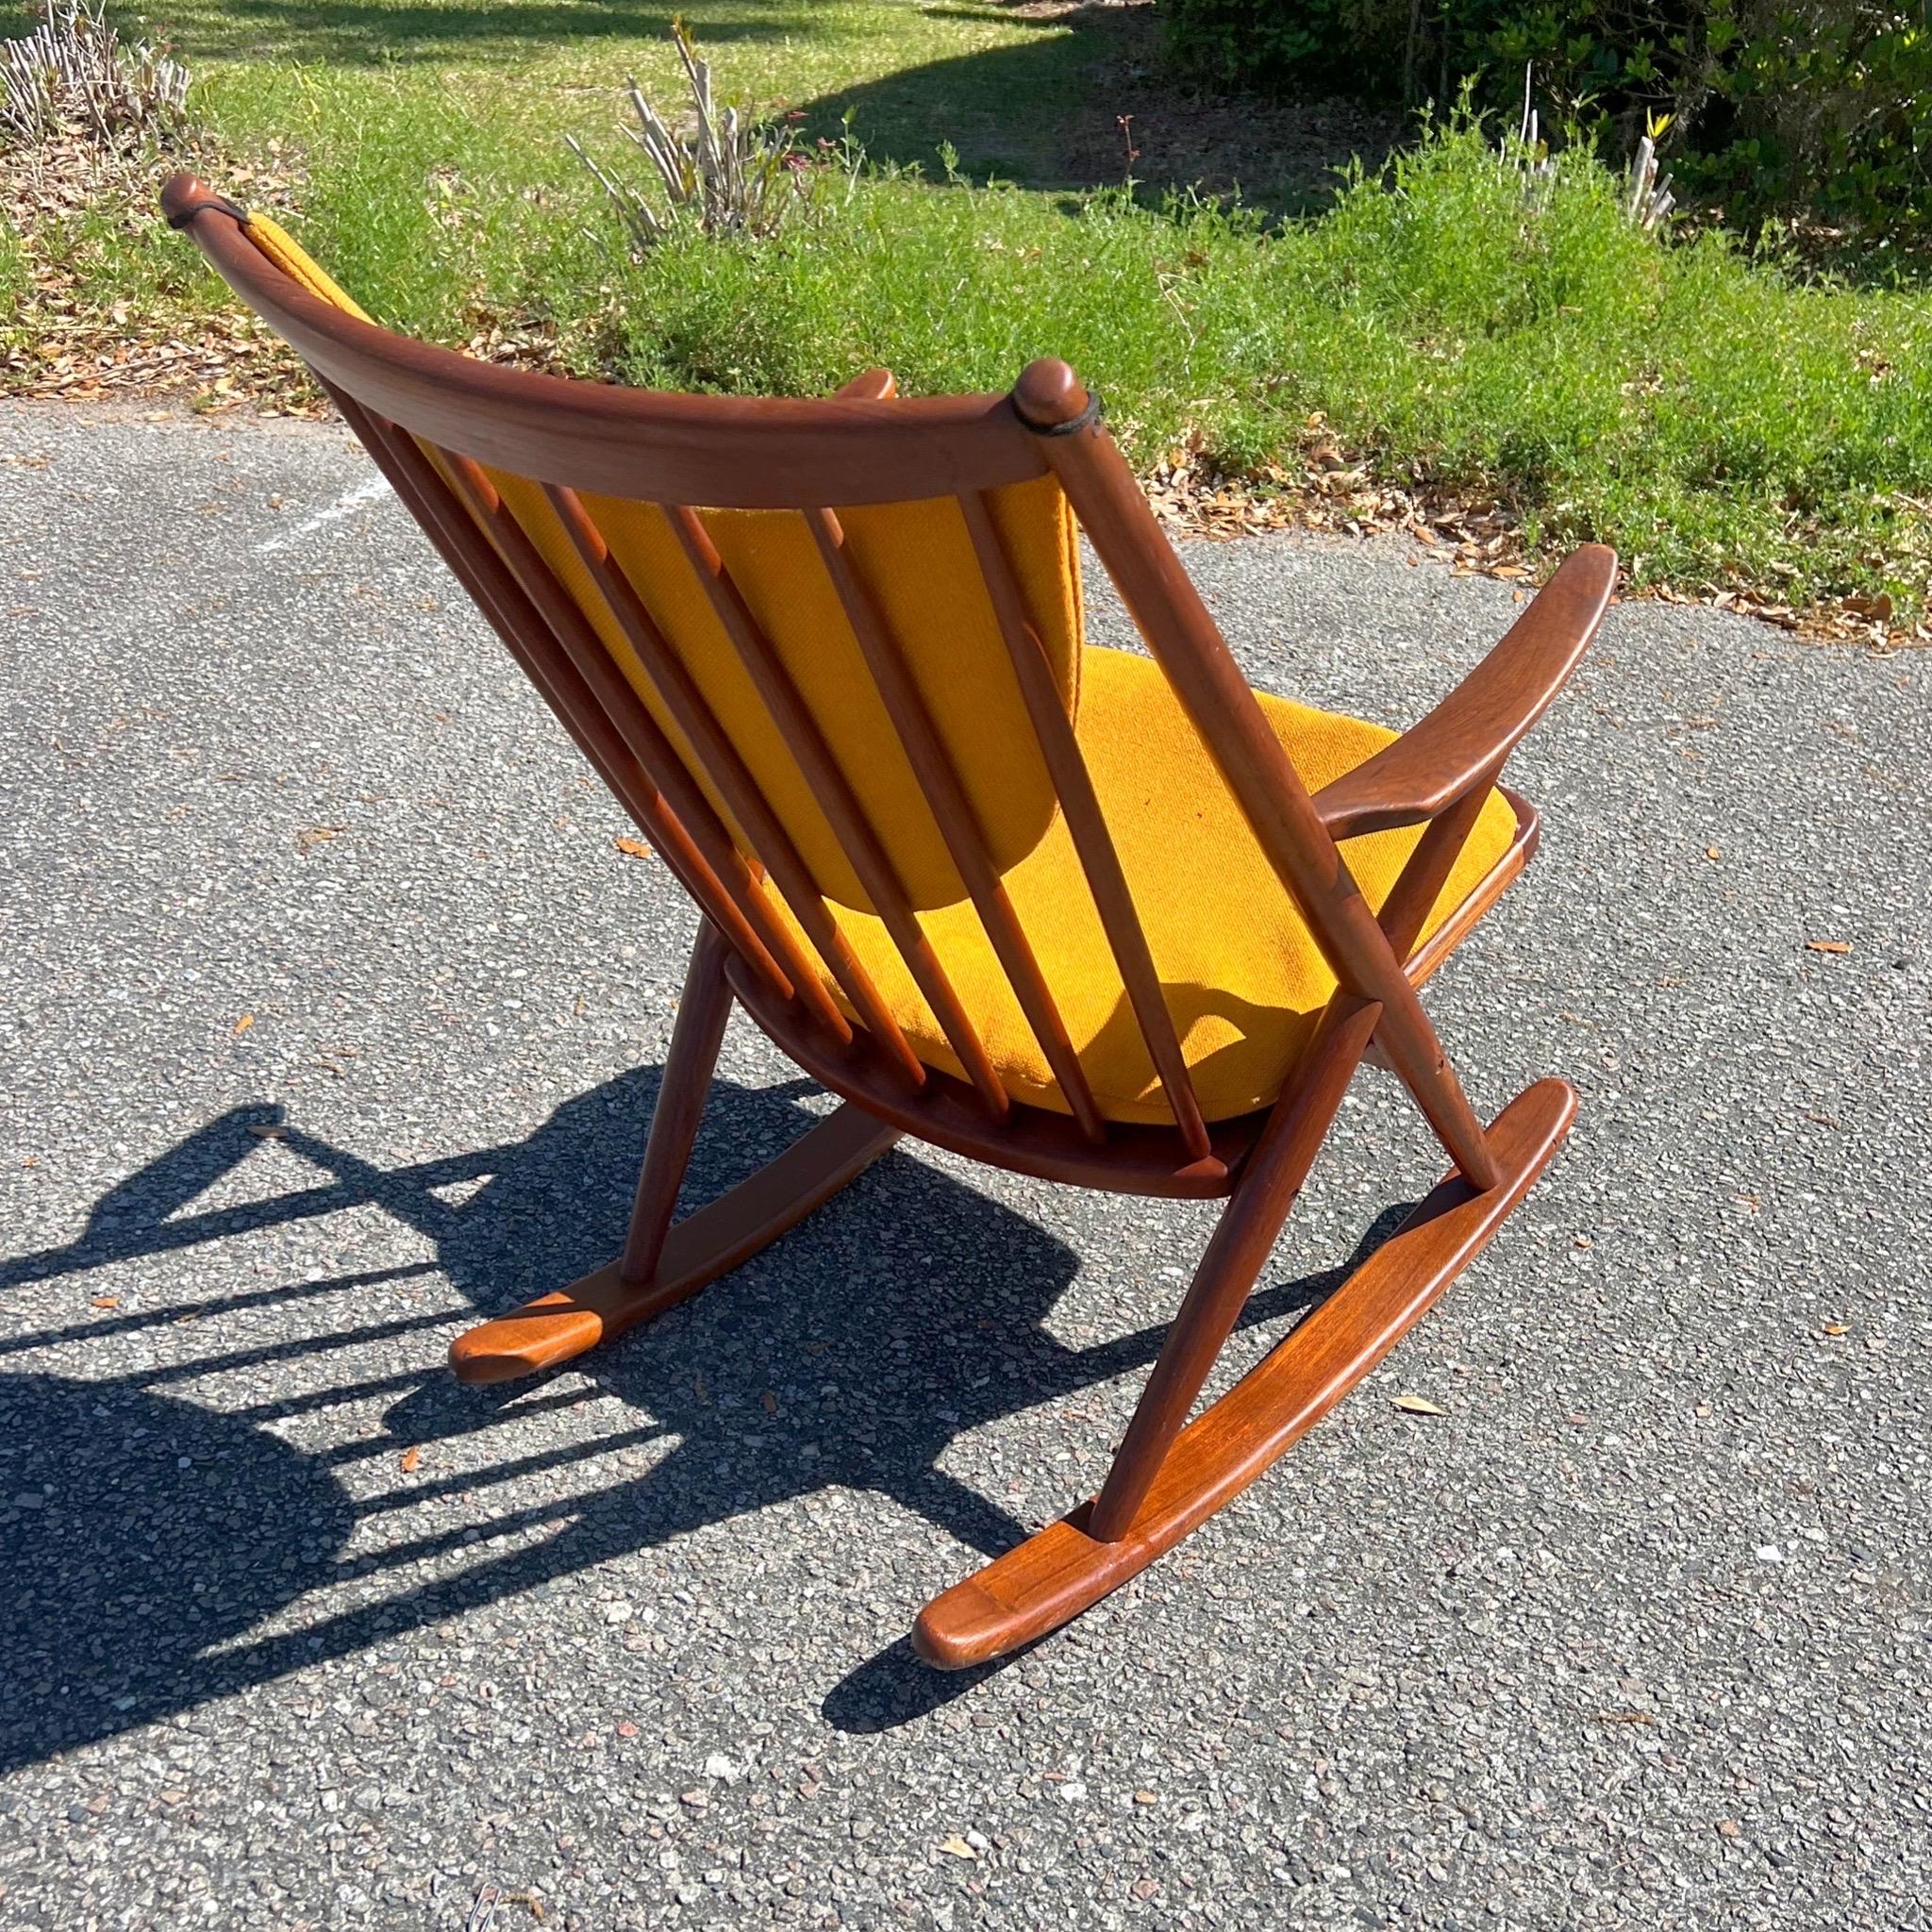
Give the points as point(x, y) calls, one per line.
point(1713, 420)
point(1717, 419)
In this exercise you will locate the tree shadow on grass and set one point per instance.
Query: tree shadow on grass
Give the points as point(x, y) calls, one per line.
point(162, 1551)
point(1083, 98)
point(1089, 100)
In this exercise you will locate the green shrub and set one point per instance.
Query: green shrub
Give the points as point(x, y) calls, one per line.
point(1357, 46)
point(1827, 102)
point(1715, 420)
point(1773, 104)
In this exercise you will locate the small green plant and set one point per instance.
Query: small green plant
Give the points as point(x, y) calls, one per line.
point(15, 279)
point(728, 172)
point(1649, 199)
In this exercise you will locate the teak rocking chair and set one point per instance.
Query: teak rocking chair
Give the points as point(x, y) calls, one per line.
point(1120, 923)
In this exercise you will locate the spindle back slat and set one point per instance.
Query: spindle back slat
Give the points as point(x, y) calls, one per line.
point(698, 849)
point(1087, 824)
point(859, 838)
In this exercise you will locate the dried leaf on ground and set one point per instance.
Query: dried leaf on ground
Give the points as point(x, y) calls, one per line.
point(1417, 1405)
point(1827, 946)
point(632, 848)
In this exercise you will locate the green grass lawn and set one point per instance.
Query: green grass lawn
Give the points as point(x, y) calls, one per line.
point(1722, 421)
point(425, 137)
point(463, 79)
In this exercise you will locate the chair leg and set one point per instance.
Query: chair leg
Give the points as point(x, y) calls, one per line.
point(1236, 1253)
point(662, 1265)
point(1066, 1568)
point(703, 1011)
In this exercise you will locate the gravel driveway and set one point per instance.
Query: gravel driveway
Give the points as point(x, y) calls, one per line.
point(330, 1013)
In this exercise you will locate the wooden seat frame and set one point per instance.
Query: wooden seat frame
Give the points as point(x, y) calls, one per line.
point(864, 446)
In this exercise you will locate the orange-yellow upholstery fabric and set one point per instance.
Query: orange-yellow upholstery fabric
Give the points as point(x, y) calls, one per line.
point(289, 257)
point(1238, 971)
point(919, 562)
point(1241, 974)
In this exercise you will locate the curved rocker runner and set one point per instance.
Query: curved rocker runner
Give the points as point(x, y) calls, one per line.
point(1107, 919)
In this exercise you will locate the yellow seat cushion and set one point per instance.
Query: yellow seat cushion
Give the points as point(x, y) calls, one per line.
point(1241, 974)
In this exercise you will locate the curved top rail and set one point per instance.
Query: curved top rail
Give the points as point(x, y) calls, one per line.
point(722, 452)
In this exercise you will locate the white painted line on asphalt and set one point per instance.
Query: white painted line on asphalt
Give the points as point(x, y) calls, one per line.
point(345, 504)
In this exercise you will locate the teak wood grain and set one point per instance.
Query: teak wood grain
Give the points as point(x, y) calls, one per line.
point(734, 783)
point(1066, 1568)
point(1460, 746)
point(439, 425)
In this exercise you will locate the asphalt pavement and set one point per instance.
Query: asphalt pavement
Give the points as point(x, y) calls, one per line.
point(330, 1014)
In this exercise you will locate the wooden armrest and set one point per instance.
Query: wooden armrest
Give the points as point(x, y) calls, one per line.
point(1463, 742)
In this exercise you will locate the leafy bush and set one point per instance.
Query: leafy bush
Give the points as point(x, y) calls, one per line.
point(1829, 96)
point(1355, 46)
point(1716, 422)
point(1777, 104)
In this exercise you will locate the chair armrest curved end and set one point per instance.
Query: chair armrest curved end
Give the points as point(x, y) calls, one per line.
point(1463, 742)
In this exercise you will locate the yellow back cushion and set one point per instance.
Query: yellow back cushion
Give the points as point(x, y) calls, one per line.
point(919, 562)
point(294, 262)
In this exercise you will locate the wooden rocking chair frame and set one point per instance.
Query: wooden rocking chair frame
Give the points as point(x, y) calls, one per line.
point(403, 398)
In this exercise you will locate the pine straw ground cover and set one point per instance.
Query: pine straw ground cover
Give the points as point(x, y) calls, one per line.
point(1430, 352)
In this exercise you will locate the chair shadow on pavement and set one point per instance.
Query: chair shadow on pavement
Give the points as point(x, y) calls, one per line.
point(161, 1551)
